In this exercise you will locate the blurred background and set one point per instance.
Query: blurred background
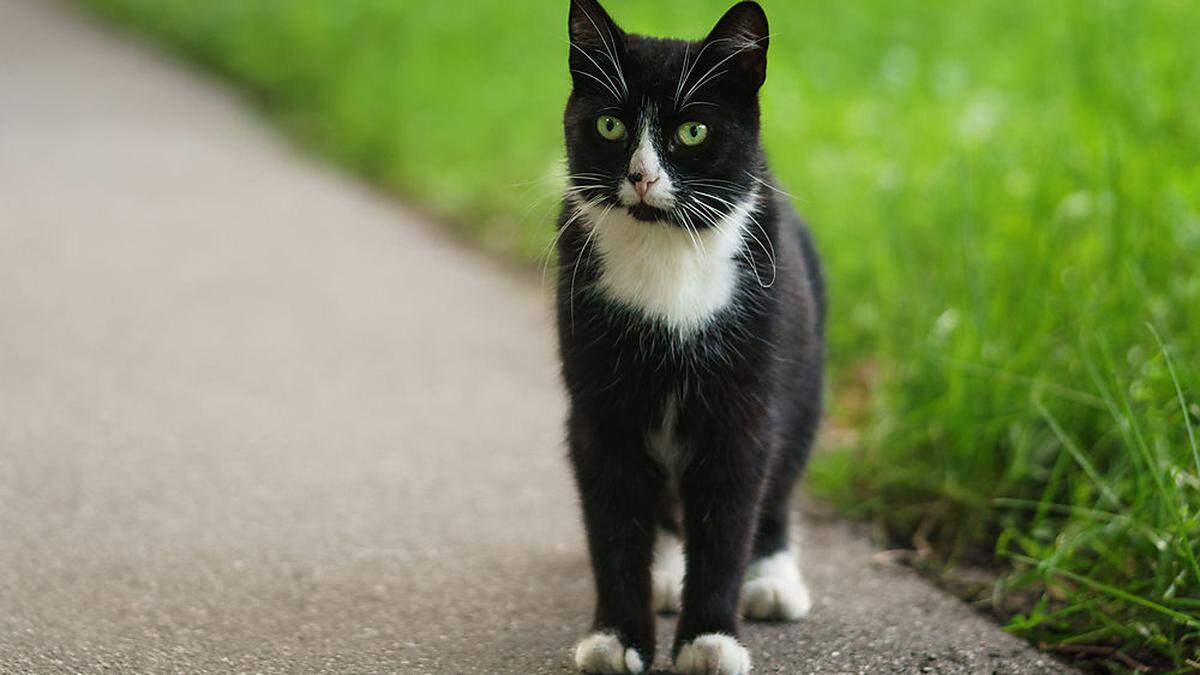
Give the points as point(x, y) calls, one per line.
point(1007, 197)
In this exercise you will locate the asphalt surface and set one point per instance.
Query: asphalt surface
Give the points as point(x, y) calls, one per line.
point(254, 417)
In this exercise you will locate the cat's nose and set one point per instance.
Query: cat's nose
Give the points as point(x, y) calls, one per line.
point(642, 182)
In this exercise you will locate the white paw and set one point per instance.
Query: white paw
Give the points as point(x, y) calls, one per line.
point(604, 653)
point(713, 654)
point(667, 573)
point(774, 590)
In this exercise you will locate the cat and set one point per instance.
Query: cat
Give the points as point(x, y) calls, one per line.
point(691, 310)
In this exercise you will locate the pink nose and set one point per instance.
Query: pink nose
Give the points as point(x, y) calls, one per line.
point(642, 182)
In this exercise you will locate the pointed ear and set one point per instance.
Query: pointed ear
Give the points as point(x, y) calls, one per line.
point(597, 45)
point(592, 28)
point(742, 36)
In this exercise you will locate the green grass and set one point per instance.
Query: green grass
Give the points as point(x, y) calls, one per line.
point(1007, 194)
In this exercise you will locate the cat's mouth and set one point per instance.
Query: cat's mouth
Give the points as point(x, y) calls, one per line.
point(647, 214)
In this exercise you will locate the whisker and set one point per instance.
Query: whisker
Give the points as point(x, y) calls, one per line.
point(611, 55)
point(553, 190)
point(690, 235)
point(715, 224)
point(745, 250)
point(610, 89)
point(615, 61)
point(750, 44)
point(696, 62)
point(713, 182)
point(696, 87)
point(774, 188)
point(679, 86)
point(586, 186)
point(768, 248)
point(579, 260)
point(577, 212)
point(583, 51)
point(691, 229)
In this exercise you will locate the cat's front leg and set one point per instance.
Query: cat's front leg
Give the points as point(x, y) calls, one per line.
point(720, 490)
point(619, 489)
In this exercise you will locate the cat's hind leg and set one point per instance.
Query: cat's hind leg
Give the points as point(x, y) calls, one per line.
point(773, 588)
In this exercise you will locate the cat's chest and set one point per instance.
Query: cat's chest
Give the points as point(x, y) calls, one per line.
point(682, 279)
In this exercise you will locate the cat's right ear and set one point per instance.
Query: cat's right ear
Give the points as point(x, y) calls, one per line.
point(740, 39)
point(594, 32)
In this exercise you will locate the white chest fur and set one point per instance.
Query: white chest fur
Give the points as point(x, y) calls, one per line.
point(678, 278)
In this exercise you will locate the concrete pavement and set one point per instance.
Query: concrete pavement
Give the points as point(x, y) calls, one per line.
point(256, 418)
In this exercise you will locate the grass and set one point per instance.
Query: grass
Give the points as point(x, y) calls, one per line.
point(1007, 194)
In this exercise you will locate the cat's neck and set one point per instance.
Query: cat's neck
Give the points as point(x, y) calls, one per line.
point(680, 278)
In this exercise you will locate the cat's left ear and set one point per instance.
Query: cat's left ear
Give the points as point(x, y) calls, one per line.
point(741, 36)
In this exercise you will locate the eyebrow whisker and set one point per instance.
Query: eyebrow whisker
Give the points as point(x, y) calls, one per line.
point(611, 53)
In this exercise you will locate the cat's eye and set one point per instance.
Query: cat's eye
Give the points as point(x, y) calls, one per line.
point(610, 127)
point(692, 133)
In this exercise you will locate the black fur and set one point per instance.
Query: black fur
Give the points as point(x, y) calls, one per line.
point(748, 384)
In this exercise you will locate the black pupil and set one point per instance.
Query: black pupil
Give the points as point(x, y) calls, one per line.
point(694, 131)
point(609, 124)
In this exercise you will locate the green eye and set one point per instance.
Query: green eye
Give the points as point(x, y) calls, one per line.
point(610, 127)
point(692, 133)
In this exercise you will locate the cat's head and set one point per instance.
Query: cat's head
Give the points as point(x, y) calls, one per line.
point(667, 130)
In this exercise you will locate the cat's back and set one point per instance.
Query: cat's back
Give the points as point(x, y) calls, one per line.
point(796, 235)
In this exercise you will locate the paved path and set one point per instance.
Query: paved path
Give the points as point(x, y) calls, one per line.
point(254, 417)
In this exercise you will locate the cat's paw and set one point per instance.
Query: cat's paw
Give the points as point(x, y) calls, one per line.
point(713, 654)
point(603, 653)
point(774, 590)
point(667, 573)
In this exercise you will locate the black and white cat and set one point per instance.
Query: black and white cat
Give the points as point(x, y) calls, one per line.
point(690, 316)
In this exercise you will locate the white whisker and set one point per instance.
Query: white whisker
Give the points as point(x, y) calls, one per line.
point(693, 234)
point(696, 87)
point(750, 44)
point(714, 222)
point(577, 212)
point(579, 261)
point(617, 62)
point(695, 62)
point(679, 86)
point(715, 181)
point(611, 54)
point(606, 87)
point(774, 188)
point(768, 247)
